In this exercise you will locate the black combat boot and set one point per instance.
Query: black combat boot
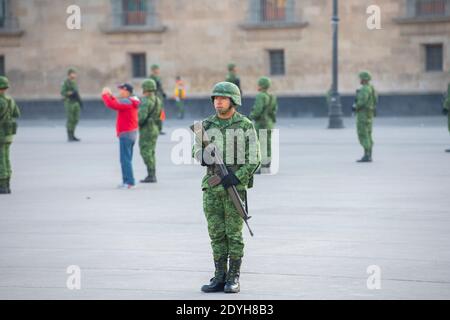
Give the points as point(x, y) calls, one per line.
point(448, 150)
point(71, 135)
point(75, 139)
point(370, 155)
point(151, 178)
point(8, 185)
point(217, 283)
point(3, 186)
point(232, 284)
point(366, 158)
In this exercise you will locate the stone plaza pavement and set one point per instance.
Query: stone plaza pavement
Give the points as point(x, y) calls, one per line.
point(320, 223)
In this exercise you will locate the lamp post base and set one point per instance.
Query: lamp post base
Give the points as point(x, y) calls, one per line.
point(336, 122)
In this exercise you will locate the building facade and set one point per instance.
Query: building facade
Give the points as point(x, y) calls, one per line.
point(289, 40)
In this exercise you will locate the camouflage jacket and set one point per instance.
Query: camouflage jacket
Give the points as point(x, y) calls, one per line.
point(149, 112)
point(264, 111)
point(159, 87)
point(366, 99)
point(67, 89)
point(237, 140)
point(447, 99)
point(9, 112)
point(231, 77)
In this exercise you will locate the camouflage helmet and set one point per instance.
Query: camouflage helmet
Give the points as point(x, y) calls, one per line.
point(149, 85)
point(4, 83)
point(229, 90)
point(71, 70)
point(231, 66)
point(264, 83)
point(365, 76)
point(154, 67)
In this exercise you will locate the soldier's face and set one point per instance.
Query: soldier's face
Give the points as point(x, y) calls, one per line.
point(222, 104)
point(156, 72)
point(73, 76)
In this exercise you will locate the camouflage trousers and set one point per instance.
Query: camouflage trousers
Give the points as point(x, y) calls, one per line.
point(180, 109)
point(266, 146)
point(224, 224)
point(364, 127)
point(147, 145)
point(5, 164)
point(73, 111)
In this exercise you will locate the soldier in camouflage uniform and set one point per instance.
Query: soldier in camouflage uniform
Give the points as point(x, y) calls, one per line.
point(447, 108)
point(233, 77)
point(365, 109)
point(149, 115)
point(155, 75)
point(72, 104)
point(264, 114)
point(9, 112)
point(224, 222)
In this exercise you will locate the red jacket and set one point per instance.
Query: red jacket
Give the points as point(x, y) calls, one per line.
point(127, 112)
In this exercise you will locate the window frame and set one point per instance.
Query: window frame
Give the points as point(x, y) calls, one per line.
point(142, 72)
point(272, 64)
point(428, 59)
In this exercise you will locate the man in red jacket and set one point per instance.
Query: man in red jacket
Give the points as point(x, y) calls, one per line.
point(127, 107)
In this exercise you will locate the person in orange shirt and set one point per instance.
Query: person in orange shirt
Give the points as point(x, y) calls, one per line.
point(180, 97)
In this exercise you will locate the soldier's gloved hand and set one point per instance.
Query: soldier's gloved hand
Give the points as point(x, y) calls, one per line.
point(229, 181)
point(445, 112)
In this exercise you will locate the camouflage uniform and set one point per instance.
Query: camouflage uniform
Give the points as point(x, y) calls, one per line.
point(160, 94)
point(224, 222)
point(264, 115)
point(72, 106)
point(366, 102)
point(447, 108)
point(9, 112)
point(232, 77)
point(447, 105)
point(149, 115)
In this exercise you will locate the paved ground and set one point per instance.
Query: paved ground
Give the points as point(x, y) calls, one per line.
point(319, 223)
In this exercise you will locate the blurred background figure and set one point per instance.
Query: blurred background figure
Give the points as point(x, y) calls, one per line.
point(180, 97)
point(233, 76)
point(264, 115)
point(9, 112)
point(149, 115)
point(127, 126)
point(72, 103)
point(155, 75)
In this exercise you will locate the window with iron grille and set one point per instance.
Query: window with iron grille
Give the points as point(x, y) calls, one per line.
point(431, 8)
point(273, 10)
point(277, 62)
point(434, 57)
point(134, 12)
point(139, 65)
point(2, 66)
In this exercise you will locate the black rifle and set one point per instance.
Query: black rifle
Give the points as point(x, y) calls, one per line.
point(75, 96)
point(201, 134)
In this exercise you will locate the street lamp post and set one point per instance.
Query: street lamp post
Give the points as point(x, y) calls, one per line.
point(335, 115)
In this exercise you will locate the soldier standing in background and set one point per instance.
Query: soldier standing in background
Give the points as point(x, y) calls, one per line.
point(9, 112)
point(155, 75)
point(365, 109)
point(447, 108)
point(72, 104)
point(180, 97)
point(264, 115)
point(149, 115)
point(233, 77)
point(224, 221)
